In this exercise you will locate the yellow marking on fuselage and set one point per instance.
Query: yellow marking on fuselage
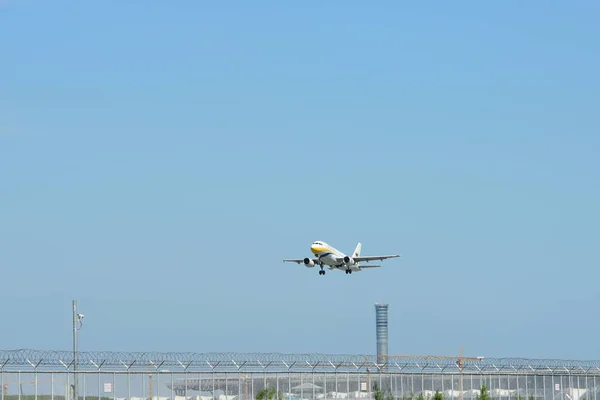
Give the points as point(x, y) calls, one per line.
point(317, 250)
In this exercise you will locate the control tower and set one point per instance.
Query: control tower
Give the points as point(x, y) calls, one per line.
point(381, 325)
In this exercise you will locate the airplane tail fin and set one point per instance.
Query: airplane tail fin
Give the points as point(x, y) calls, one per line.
point(357, 250)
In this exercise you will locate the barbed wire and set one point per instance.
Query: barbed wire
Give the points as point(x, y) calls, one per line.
point(40, 360)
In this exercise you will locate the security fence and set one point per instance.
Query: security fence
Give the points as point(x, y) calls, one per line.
point(58, 375)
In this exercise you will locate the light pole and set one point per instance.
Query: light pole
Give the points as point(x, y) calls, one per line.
point(77, 320)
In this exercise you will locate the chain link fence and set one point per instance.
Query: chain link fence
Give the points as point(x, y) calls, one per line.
point(42, 375)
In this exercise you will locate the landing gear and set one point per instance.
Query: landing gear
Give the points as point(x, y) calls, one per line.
point(322, 271)
point(348, 271)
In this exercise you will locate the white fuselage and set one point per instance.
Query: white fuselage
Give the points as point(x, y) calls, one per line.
point(329, 255)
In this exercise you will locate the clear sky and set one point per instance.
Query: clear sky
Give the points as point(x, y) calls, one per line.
point(159, 160)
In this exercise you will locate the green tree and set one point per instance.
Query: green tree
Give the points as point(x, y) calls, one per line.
point(379, 395)
point(269, 393)
point(382, 395)
point(438, 395)
point(484, 393)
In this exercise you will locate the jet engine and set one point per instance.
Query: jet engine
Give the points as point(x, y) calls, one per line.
point(309, 263)
point(349, 260)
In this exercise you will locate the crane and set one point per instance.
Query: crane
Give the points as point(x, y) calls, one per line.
point(459, 363)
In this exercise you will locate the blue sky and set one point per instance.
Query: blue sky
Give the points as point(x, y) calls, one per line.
point(159, 160)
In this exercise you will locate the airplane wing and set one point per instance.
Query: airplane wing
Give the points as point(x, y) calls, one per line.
point(372, 258)
point(369, 266)
point(301, 260)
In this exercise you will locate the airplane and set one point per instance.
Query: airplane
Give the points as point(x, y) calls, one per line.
point(335, 259)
